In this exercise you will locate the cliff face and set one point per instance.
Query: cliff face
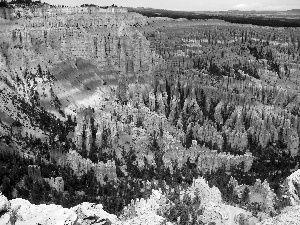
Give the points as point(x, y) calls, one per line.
point(6, 13)
point(66, 58)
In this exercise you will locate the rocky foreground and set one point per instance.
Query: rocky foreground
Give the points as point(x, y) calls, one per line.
point(19, 211)
point(97, 93)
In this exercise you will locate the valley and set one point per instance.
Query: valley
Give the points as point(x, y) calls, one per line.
point(112, 115)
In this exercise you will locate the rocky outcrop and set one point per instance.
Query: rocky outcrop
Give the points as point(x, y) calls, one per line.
point(81, 166)
point(19, 212)
point(89, 213)
point(23, 212)
point(291, 189)
point(4, 210)
point(290, 215)
point(4, 204)
point(56, 183)
point(61, 57)
point(208, 160)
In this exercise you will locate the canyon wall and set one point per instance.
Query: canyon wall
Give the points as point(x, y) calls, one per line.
point(68, 57)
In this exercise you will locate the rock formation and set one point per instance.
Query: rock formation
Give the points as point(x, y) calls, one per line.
point(88, 213)
point(44, 49)
point(81, 166)
point(56, 183)
point(34, 172)
point(290, 215)
point(20, 211)
point(291, 189)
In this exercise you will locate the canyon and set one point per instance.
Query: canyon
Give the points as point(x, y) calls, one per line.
point(120, 118)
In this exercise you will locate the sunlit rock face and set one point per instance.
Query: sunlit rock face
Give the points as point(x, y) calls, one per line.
point(19, 212)
point(89, 213)
point(67, 58)
point(4, 204)
point(81, 166)
point(23, 212)
point(291, 189)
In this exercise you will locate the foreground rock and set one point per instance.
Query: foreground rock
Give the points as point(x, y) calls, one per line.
point(290, 215)
point(4, 204)
point(89, 213)
point(4, 207)
point(291, 189)
point(21, 212)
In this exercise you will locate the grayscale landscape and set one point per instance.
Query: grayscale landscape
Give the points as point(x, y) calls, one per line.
point(149, 115)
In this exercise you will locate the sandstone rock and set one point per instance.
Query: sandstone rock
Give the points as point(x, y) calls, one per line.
point(5, 219)
point(27, 213)
point(289, 216)
point(4, 204)
point(89, 213)
point(291, 188)
point(81, 166)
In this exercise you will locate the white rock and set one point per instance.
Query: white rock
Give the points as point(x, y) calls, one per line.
point(4, 204)
point(89, 213)
point(289, 216)
point(30, 214)
point(292, 188)
point(5, 219)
